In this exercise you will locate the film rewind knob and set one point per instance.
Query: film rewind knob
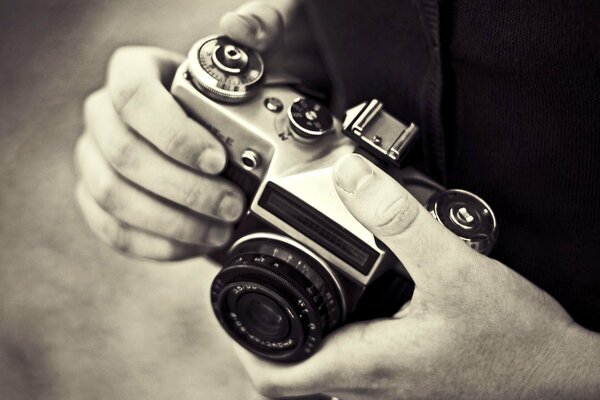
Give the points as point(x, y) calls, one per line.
point(467, 216)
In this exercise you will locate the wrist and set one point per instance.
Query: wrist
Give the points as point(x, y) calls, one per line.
point(571, 368)
point(584, 350)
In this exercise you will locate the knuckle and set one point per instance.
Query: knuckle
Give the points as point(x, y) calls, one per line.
point(110, 231)
point(395, 216)
point(119, 54)
point(106, 192)
point(122, 153)
point(120, 238)
point(177, 139)
point(79, 152)
point(91, 105)
point(125, 88)
point(194, 196)
point(123, 56)
point(128, 93)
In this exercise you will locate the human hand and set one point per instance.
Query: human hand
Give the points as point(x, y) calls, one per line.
point(474, 328)
point(149, 181)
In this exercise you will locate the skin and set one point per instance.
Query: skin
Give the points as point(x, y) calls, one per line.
point(148, 173)
point(474, 329)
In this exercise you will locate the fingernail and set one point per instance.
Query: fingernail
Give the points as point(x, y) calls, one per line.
point(250, 22)
point(211, 161)
point(217, 235)
point(352, 172)
point(231, 207)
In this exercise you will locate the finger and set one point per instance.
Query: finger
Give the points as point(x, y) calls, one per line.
point(127, 239)
point(404, 311)
point(259, 24)
point(345, 362)
point(140, 209)
point(135, 86)
point(140, 163)
point(431, 254)
point(382, 358)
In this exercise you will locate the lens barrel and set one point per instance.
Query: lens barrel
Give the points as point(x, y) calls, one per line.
point(276, 298)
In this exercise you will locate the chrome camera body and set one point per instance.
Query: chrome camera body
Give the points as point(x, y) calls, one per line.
point(300, 265)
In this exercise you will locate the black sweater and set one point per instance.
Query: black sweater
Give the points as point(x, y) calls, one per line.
point(507, 96)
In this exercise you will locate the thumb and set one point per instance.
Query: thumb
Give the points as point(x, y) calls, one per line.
point(431, 254)
point(258, 24)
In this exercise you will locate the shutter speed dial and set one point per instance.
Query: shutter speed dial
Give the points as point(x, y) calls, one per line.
point(224, 70)
point(309, 120)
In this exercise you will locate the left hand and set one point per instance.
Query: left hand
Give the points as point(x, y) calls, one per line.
point(149, 174)
point(474, 328)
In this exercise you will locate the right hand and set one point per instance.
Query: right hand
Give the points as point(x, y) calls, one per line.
point(149, 183)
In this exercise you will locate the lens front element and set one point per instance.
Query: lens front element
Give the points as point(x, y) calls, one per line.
point(257, 317)
point(263, 316)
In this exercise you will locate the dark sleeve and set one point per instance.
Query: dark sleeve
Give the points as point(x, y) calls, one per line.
point(300, 55)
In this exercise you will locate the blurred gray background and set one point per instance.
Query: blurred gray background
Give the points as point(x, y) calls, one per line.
point(77, 320)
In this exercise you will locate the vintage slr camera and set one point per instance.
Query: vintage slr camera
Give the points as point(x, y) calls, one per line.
point(300, 265)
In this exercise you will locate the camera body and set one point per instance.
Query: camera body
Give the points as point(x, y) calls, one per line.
point(300, 265)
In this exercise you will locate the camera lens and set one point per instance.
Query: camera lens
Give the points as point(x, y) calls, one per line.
point(276, 298)
point(263, 316)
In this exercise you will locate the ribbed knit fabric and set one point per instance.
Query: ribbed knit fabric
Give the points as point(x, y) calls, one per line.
point(522, 101)
point(521, 113)
point(366, 59)
point(432, 130)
